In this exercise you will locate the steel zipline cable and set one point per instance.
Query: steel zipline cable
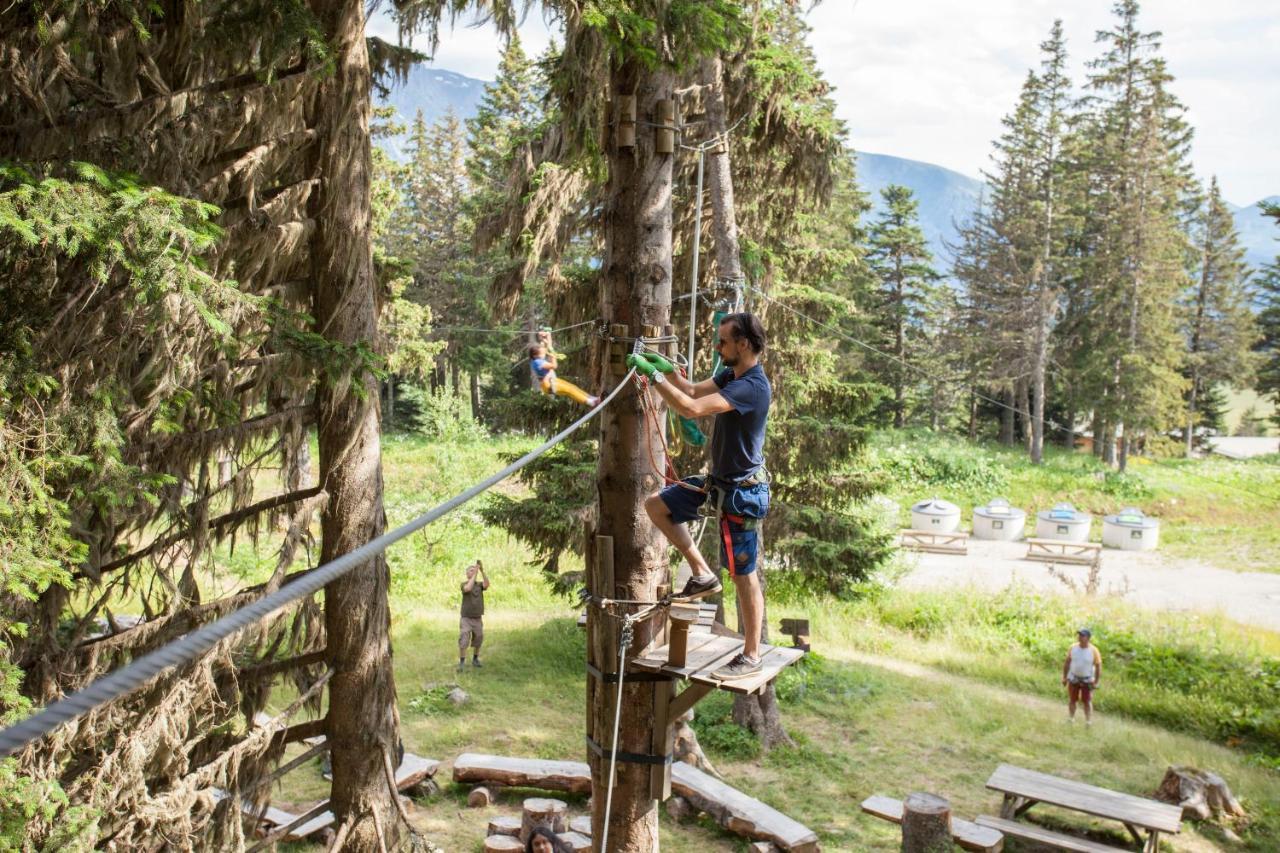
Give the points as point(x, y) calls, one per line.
point(193, 645)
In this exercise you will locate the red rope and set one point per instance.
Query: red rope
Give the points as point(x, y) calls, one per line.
point(651, 417)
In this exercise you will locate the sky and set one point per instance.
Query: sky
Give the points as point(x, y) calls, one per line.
point(930, 79)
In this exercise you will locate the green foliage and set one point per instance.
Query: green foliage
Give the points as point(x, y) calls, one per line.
point(924, 465)
point(434, 701)
point(1182, 678)
point(719, 735)
point(32, 808)
point(441, 415)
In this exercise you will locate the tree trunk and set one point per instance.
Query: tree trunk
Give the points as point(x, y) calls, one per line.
point(362, 720)
point(1040, 360)
point(973, 415)
point(456, 369)
point(1006, 417)
point(1069, 437)
point(1023, 391)
point(1191, 413)
point(758, 712)
point(1201, 794)
point(474, 379)
point(724, 218)
point(926, 824)
point(1099, 428)
point(636, 291)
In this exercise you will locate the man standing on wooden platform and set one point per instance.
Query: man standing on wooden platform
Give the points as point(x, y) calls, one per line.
point(471, 625)
point(1081, 672)
point(739, 397)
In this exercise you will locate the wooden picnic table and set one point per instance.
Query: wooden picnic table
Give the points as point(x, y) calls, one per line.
point(1022, 789)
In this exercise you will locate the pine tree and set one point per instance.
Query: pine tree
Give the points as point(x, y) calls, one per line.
point(1134, 144)
point(1220, 330)
point(899, 255)
point(1268, 346)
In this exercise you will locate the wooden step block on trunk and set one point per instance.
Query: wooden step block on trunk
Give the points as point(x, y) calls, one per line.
point(505, 825)
point(739, 813)
point(502, 844)
point(479, 797)
point(1045, 836)
point(543, 811)
point(577, 842)
point(581, 825)
point(968, 835)
point(477, 768)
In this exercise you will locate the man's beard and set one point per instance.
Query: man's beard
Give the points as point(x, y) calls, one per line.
point(729, 362)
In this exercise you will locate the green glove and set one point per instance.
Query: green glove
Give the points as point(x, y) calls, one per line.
point(643, 367)
point(659, 362)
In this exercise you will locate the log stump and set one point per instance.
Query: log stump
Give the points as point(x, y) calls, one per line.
point(680, 809)
point(926, 824)
point(543, 811)
point(479, 797)
point(505, 825)
point(577, 842)
point(581, 825)
point(502, 844)
point(1200, 793)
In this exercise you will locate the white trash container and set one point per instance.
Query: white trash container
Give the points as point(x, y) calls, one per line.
point(1130, 530)
point(1063, 522)
point(936, 516)
point(997, 520)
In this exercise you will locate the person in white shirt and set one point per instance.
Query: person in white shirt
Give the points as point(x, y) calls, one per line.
point(1081, 672)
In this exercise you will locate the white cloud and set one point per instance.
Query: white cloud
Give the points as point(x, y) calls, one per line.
point(931, 79)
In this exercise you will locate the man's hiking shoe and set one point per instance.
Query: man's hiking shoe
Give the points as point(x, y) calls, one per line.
point(698, 587)
point(476, 663)
point(740, 667)
point(462, 665)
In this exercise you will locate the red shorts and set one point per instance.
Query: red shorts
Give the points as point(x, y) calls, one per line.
point(1080, 691)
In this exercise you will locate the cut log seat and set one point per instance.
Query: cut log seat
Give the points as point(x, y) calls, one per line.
point(968, 835)
point(477, 768)
point(1040, 835)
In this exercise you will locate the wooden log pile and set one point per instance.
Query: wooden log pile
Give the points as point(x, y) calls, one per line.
point(508, 832)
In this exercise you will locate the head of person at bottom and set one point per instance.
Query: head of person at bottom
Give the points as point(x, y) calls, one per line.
point(537, 351)
point(741, 336)
point(544, 840)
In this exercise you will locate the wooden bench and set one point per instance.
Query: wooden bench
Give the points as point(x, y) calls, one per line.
point(476, 768)
point(935, 542)
point(969, 836)
point(1040, 835)
point(1059, 551)
point(734, 810)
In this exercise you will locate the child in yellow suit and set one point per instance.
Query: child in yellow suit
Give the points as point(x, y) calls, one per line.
point(543, 364)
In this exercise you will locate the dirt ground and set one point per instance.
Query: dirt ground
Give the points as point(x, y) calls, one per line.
point(1146, 578)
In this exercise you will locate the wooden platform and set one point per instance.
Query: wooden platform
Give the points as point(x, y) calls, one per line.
point(709, 651)
point(934, 542)
point(1058, 551)
point(969, 835)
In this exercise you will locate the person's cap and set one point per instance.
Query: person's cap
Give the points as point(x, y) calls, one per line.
point(1084, 632)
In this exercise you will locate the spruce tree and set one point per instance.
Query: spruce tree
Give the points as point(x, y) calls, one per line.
point(1135, 146)
point(1268, 346)
point(1220, 330)
point(899, 255)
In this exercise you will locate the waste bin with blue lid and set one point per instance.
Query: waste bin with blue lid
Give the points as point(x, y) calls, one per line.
point(998, 520)
point(1063, 522)
point(936, 516)
point(1131, 529)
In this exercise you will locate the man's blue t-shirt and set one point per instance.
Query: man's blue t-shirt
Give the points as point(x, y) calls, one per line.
point(737, 443)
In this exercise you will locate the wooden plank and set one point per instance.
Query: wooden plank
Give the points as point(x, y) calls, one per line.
point(477, 768)
point(967, 834)
point(740, 813)
point(1040, 835)
point(656, 659)
point(773, 660)
point(1090, 799)
point(411, 771)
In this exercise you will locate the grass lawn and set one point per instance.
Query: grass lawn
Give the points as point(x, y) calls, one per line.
point(907, 691)
point(1220, 511)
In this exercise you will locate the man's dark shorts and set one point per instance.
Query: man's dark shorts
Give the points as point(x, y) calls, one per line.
point(751, 502)
point(1080, 691)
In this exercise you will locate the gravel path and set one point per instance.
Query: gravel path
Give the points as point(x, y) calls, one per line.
point(1147, 578)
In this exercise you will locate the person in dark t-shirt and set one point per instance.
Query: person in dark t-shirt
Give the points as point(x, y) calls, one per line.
point(739, 397)
point(471, 624)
